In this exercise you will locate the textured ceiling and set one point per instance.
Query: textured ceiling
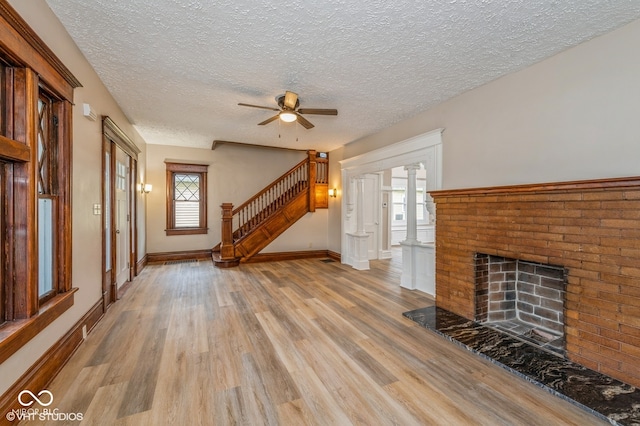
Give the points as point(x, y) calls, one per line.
point(178, 68)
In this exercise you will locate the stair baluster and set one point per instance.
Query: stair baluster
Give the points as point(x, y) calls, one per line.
point(240, 223)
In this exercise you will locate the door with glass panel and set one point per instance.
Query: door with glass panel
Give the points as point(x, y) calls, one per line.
point(122, 219)
point(119, 235)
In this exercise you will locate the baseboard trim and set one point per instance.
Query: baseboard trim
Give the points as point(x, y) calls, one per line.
point(123, 289)
point(141, 264)
point(40, 374)
point(385, 254)
point(178, 255)
point(335, 256)
point(287, 255)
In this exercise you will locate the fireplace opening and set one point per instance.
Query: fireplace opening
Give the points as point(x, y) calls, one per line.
point(523, 299)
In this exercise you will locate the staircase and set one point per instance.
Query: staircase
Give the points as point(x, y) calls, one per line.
point(253, 225)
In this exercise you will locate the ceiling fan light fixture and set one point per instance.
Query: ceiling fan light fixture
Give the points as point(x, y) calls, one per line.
point(288, 116)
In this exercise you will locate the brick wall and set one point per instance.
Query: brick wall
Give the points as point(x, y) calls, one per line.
point(592, 228)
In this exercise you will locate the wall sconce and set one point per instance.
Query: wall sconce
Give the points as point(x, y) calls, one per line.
point(145, 188)
point(333, 193)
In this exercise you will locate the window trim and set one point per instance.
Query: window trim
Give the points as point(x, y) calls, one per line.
point(29, 68)
point(185, 168)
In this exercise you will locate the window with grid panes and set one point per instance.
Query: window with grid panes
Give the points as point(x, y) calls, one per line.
point(47, 199)
point(186, 199)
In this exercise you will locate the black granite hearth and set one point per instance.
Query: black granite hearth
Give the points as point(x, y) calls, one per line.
point(601, 395)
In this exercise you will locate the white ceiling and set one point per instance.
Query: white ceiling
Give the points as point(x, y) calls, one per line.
point(178, 68)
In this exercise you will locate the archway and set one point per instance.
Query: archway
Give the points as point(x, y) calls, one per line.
point(420, 151)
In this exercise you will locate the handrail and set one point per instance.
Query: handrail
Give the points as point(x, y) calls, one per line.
point(272, 184)
point(239, 222)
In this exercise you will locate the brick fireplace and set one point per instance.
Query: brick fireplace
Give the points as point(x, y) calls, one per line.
point(589, 230)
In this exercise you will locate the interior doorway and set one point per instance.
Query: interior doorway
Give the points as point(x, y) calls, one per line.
point(119, 236)
point(358, 208)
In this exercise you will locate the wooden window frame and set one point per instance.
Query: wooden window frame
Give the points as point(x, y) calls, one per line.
point(182, 168)
point(31, 68)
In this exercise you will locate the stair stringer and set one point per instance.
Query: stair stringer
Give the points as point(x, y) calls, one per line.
point(271, 228)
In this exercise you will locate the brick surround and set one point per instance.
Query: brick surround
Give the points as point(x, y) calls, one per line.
point(591, 228)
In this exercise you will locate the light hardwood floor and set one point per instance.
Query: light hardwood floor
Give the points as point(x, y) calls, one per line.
point(290, 343)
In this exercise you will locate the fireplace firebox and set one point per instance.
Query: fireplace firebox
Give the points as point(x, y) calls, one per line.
point(522, 298)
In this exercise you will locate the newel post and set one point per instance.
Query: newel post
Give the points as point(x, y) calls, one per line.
point(227, 251)
point(312, 180)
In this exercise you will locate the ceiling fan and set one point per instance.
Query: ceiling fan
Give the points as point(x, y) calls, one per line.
point(289, 110)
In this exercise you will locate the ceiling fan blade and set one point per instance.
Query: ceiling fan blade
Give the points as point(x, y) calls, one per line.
point(290, 100)
point(269, 120)
point(304, 122)
point(258, 106)
point(318, 111)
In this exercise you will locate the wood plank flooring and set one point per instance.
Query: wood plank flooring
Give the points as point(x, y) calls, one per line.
point(286, 343)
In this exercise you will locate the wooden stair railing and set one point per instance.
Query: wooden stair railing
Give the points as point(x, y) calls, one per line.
point(250, 227)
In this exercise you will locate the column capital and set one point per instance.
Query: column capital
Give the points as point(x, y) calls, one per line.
point(414, 167)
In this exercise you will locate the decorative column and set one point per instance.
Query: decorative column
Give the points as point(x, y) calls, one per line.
point(412, 208)
point(410, 244)
point(358, 242)
point(360, 206)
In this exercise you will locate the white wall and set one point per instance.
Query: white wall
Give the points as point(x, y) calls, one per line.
point(309, 233)
point(571, 117)
point(87, 181)
point(235, 174)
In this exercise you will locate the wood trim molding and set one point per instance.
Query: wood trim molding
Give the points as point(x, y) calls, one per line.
point(40, 374)
point(216, 143)
point(13, 150)
point(141, 264)
point(111, 130)
point(178, 255)
point(334, 255)
point(123, 289)
point(17, 334)
point(288, 255)
point(580, 185)
point(173, 166)
point(36, 43)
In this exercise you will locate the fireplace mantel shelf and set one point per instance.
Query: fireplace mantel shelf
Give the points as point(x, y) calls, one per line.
point(594, 184)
